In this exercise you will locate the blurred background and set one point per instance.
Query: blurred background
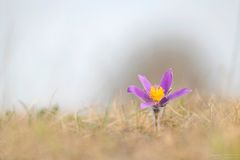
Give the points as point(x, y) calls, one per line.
point(76, 53)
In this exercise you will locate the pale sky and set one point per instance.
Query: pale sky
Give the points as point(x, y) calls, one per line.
point(62, 46)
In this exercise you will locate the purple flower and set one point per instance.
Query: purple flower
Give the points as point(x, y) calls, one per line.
point(157, 95)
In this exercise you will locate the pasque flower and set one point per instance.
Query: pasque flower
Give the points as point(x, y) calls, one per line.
point(157, 95)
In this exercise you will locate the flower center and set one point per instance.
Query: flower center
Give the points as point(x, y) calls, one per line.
point(156, 93)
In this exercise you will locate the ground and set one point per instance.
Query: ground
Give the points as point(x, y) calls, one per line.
point(194, 127)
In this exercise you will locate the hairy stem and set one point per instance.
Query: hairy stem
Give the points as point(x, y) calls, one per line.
point(156, 111)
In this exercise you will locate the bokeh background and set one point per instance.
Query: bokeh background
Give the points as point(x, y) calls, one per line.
point(76, 53)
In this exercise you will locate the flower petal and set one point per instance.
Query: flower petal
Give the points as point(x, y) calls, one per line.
point(179, 93)
point(146, 105)
point(164, 101)
point(166, 81)
point(145, 82)
point(138, 92)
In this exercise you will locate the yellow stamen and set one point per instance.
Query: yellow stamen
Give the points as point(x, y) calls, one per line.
point(156, 93)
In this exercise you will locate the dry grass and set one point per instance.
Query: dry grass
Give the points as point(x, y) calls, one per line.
point(191, 128)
